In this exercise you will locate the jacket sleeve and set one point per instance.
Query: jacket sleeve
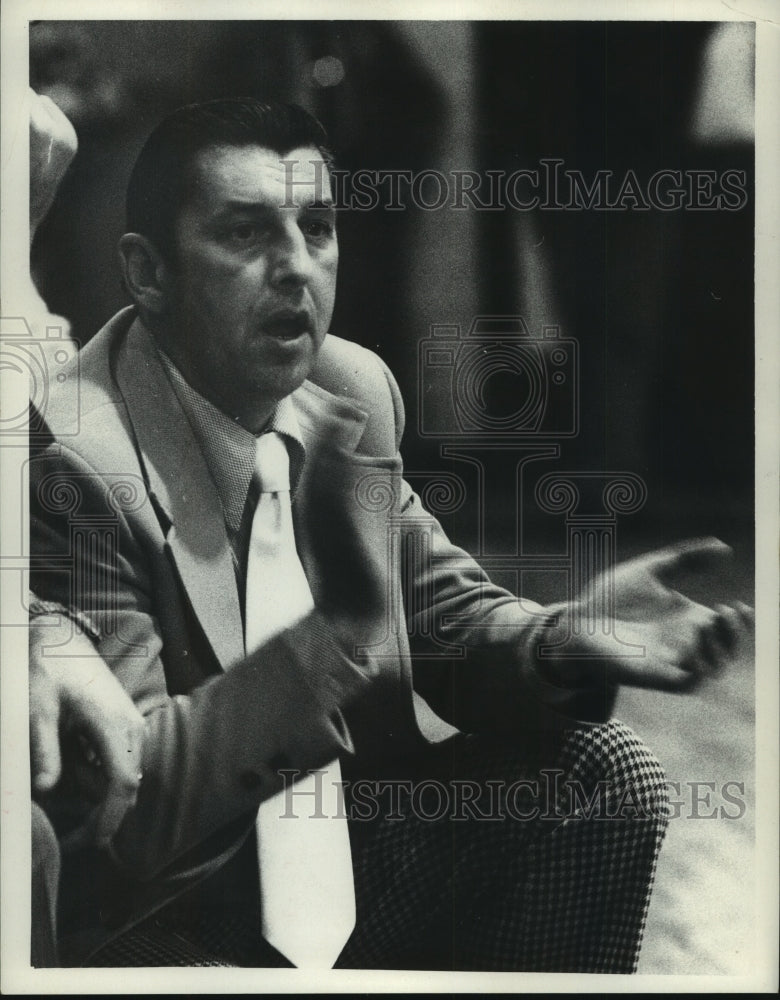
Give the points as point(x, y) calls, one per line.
point(212, 755)
point(495, 679)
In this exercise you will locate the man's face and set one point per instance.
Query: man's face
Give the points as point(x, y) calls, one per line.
point(250, 294)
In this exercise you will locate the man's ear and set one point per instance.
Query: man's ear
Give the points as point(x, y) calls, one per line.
point(145, 273)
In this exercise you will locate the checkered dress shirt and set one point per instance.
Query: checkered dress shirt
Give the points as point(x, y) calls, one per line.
point(229, 451)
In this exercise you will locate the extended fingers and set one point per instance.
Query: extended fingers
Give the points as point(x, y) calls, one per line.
point(715, 640)
point(747, 616)
point(696, 645)
point(731, 624)
point(689, 556)
point(657, 673)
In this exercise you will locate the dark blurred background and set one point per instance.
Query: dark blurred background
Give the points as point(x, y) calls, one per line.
point(660, 303)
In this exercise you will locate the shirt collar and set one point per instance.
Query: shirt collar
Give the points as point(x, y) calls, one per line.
point(229, 449)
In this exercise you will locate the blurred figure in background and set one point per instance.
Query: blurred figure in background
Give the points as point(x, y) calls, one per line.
point(76, 703)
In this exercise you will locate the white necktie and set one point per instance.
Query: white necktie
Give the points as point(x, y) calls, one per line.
point(306, 884)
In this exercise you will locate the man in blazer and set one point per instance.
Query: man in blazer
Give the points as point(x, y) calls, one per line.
point(142, 501)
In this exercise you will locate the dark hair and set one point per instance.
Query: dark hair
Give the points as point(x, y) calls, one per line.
point(161, 179)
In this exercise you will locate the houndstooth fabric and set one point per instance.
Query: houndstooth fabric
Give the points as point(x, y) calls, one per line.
point(154, 944)
point(551, 875)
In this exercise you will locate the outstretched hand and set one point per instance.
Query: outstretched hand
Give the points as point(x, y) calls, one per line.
point(76, 695)
point(629, 626)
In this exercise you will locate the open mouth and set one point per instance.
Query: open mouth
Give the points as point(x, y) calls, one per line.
point(287, 326)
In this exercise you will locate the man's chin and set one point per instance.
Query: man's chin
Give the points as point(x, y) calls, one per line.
point(276, 382)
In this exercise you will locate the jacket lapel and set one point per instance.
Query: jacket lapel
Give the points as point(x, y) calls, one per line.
point(328, 420)
point(183, 494)
point(331, 427)
point(185, 498)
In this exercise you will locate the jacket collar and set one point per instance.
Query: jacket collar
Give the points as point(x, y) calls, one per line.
point(182, 491)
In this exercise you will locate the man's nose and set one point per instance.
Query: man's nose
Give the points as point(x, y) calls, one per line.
point(292, 261)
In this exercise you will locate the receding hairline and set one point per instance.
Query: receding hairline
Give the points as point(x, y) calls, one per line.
point(195, 166)
point(165, 171)
point(221, 145)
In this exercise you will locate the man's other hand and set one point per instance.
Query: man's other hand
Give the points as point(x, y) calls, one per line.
point(665, 639)
point(73, 693)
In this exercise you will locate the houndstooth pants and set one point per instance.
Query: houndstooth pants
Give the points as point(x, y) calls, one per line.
point(485, 858)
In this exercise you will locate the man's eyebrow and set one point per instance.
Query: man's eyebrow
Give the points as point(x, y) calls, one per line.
point(263, 208)
point(237, 205)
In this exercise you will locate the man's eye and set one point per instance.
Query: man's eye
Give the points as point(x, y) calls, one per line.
point(244, 232)
point(318, 229)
